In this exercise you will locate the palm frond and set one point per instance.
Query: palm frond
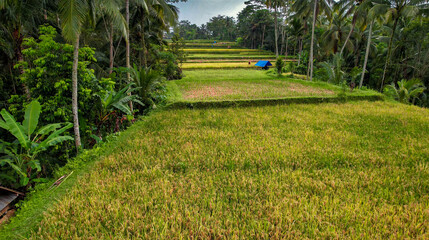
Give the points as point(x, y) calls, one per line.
point(72, 14)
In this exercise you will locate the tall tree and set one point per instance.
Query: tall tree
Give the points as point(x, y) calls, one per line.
point(365, 6)
point(18, 18)
point(275, 4)
point(394, 10)
point(73, 14)
point(358, 9)
point(303, 8)
point(311, 61)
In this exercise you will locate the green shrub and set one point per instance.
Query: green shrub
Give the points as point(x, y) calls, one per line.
point(279, 66)
point(47, 72)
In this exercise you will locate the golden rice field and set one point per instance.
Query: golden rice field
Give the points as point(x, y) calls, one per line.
point(231, 56)
point(220, 65)
point(329, 171)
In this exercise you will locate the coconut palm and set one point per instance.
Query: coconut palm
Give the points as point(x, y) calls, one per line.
point(370, 18)
point(334, 35)
point(74, 13)
point(276, 4)
point(304, 7)
point(359, 10)
point(19, 19)
point(394, 10)
point(150, 21)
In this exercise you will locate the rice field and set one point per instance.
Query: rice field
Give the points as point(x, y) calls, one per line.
point(226, 51)
point(244, 84)
point(219, 65)
point(343, 171)
point(230, 56)
point(356, 170)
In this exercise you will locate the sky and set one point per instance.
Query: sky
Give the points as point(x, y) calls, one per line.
point(200, 11)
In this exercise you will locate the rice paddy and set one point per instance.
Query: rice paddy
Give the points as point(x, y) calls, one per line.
point(345, 171)
point(355, 170)
point(243, 84)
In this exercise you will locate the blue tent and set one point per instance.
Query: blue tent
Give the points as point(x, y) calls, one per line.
point(263, 64)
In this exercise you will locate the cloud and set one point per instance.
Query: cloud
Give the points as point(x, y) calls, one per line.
point(200, 11)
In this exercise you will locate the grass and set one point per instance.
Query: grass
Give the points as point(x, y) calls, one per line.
point(32, 210)
point(256, 89)
point(226, 51)
point(355, 170)
point(242, 84)
point(230, 56)
point(203, 41)
point(219, 65)
point(225, 60)
point(209, 45)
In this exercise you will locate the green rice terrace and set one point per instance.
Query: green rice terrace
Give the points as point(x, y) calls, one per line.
point(241, 153)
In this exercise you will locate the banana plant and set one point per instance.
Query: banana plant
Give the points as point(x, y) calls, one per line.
point(21, 155)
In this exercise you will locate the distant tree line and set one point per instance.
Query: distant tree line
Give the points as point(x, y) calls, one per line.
point(366, 43)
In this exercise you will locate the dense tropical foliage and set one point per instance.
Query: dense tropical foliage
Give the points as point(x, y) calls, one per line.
point(74, 58)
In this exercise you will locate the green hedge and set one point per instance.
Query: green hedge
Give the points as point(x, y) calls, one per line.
point(272, 101)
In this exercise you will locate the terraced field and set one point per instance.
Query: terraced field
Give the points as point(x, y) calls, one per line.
point(224, 74)
point(349, 170)
point(232, 55)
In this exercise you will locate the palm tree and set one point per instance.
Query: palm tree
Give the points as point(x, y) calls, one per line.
point(366, 5)
point(394, 10)
point(275, 4)
point(333, 69)
point(368, 46)
point(152, 13)
point(304, 7)
point(19, 18)
point(73, 14)
point(334, 34)
point(359, 10)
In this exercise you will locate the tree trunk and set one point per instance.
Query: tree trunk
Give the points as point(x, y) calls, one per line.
point(299, 51)
point(312, 44)
point(287, 44)
point(18, 39)
point(283, 42)
point(389, 50)
point(144, 44)
point(127, 43)
point(263, 37)
point(111, 54)
point(368, 46)
point(349, 35)
point(74, 94)
point(276, 33)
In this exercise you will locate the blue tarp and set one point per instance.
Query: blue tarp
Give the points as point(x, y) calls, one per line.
point(263, 64)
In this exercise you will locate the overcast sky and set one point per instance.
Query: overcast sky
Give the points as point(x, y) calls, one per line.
point(200, 11)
